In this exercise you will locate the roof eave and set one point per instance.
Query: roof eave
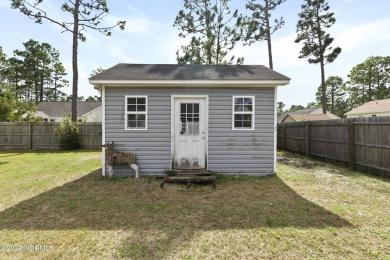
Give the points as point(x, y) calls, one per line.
point(163, 83)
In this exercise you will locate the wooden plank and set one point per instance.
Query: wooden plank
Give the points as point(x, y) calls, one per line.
point(329, 157)
point(371, 123)
point(374, 167)
point(295, 138)
point(327, 141)
point(30, 136)
point(284, 137)
point(372, 145)
point(307, 140)
point(351, 148)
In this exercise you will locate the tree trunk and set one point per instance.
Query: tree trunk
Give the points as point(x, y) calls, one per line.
point(323, 87)
point(323, 84)
point(74, 60)
point(271, 65)
point(36, 86)
point(55, 88)
point(333, 91)
point(41, 89)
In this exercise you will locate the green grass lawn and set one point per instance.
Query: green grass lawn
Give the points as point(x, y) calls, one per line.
point(60, 202)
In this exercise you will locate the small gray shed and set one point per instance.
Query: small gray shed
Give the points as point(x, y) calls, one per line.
point(216, 117)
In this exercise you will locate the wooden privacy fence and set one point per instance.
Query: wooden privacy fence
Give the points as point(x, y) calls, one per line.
point(359, 143)
point(25, 135)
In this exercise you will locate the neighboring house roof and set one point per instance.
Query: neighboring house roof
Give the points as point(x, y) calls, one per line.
point(308, 111)
point(41, 114)
point(308, 117)
point(372, 107)
point(61, 109)
point(308, 114)
point(169, 72)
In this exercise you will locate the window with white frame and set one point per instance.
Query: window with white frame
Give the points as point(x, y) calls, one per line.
point(136, 112)
point(243, 113)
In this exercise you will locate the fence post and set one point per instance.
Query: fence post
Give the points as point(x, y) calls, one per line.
point(351, 147)
point(29, 135)
point(307, 140)
point(284, 137)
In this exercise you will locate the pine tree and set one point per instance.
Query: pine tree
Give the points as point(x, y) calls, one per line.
point(370, 80)
point(258, 26)
point(280, 108)
point(314, 18)
point(3, 62)
point(335, 95)
point(36, 73)
point(214, 31)
point(85, 14)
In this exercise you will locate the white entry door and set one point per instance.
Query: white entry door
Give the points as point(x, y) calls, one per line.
point(189, 133)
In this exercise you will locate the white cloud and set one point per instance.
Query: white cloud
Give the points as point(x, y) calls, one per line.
point(117, 52)
point(353, 37)
point(140, 25)
point(136, 21)
point(169, 43)
point(285, 53)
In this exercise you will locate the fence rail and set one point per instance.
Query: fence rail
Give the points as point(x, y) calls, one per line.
point(41, 136)
point(359, 143)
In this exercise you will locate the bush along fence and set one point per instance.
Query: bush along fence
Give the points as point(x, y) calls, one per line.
point(41, 136)
point(358, 143)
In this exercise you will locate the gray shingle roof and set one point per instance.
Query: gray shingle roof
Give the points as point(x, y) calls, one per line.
point(62, 109)
point(124, 71)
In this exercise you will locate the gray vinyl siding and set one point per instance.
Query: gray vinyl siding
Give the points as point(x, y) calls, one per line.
point(249, 152)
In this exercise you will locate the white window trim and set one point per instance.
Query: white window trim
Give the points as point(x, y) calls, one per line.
point(139, 113)
point(252, 113)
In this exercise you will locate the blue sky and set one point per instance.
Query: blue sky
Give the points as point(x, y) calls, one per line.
point(362, 29)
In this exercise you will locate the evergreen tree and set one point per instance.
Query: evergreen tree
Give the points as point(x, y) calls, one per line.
point(312, 105)
point(11, 109)
point(57, 82)
point(335, 95)
point(280, 108)
point(37, 72)
point(214, 32)
point(13, 74)
point(85, 14)
point(3, 60)
point(314, 18)
point(36, 60)
point(370, 80)
point(258, 26)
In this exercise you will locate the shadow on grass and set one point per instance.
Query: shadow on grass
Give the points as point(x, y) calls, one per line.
point(170, 216)
point(6, 154)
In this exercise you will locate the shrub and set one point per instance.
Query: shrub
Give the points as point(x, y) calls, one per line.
point(69, 135)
